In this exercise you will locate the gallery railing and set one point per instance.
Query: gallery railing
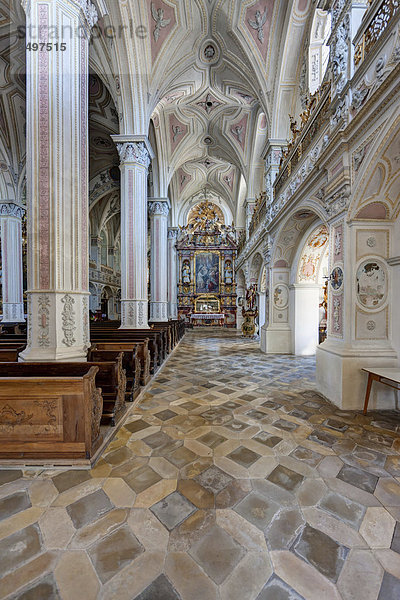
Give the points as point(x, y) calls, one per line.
point(375, 22)
point(102, 276)
point(241, 242)
point(259, 214)
point(313, 120)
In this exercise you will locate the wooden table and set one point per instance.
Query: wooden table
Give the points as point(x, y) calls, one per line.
point(387, 376)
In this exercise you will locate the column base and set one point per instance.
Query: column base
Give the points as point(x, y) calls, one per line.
point(263, 339)
point(58, 327)
point(134, 314)
point(158, 312)
point(54, 355)
point(277, 341)
point(13, 313)
point(173, 312)
point(341, 380)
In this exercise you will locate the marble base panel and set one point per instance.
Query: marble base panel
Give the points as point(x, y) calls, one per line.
point(340, 377)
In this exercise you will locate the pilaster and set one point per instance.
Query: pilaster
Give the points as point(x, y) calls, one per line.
point(11, 215)
point(277, 337)
point(360, 305)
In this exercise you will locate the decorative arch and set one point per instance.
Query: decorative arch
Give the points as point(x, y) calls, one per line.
point(312, 254)
point(256, 268)
point(377, 191)
point(289, 235)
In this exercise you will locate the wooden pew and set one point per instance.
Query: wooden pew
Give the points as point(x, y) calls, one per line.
point(12, 328)
point(130, 362)
point(142, 376)
point(160, 338)
point(10, 354)
point(49, 418)
point(128, 336)
point(110, 377)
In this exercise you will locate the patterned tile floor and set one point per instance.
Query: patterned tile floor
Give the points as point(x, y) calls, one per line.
point(233, 480)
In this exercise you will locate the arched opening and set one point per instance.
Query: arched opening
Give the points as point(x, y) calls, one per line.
point(309, 291)
point(107, 304)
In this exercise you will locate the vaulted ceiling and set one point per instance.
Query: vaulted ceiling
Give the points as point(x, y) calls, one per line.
point(209, 81)
point(207, 74)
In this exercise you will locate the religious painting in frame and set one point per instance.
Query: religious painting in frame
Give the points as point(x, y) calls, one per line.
point(207, 272)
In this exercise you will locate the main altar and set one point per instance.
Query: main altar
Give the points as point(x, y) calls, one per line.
point(206, 250)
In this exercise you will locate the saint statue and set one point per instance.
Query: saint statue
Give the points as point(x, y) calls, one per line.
point(186, 272)
point(228, 275)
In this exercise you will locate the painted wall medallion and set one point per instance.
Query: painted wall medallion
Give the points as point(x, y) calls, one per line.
point(371, 284)
point(281, 296)
point(336, 279)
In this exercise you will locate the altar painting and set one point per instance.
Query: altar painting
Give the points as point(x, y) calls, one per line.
point(207, 273)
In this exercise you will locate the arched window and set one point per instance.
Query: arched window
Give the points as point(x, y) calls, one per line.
point(318, 51)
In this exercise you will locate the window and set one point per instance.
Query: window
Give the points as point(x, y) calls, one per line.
point(319, 51)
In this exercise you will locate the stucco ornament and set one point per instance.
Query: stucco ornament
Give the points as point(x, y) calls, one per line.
point(258, 24)
point(158, 17)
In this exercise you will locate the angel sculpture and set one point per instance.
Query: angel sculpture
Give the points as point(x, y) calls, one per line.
point(258, 24)
point(176, 130)
point(158, 16)
point(237, 132)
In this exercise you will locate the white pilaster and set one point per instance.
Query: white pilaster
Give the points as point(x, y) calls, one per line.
point(172, 274)
point(158, 211)
point(57, 176)
point(277, 337)
point(305, 304)
point(359, 331)
point(11, 254)
point(135, 153)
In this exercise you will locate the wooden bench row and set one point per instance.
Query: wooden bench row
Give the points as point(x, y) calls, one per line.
point(48, 409)
point(49, 418)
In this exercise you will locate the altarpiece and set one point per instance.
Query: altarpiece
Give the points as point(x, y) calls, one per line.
point(206, 250)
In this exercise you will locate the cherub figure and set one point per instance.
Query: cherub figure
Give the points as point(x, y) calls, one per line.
point(293, 127)
point(158, 16)
point(176, 130)
point(258, 24)
point(237, 132)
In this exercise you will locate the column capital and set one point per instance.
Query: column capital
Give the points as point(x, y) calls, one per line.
point(134, 149)
point(87, 8)
point(159, 206)
point(10, 209)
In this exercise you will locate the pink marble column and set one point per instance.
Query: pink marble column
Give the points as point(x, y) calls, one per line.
point(57, 178)
point(135, 153)
point(172, 274)
point(158, 210)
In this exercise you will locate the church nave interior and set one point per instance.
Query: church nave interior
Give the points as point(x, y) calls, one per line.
point(199, 326)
